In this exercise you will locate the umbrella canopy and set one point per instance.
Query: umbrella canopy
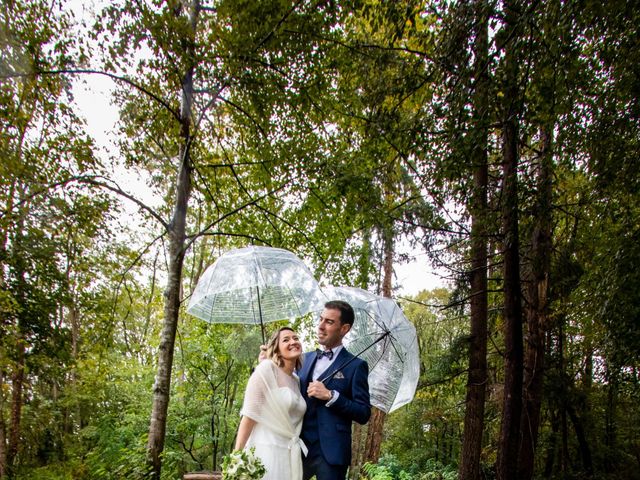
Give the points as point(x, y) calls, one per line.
point(255, 285)
point(384, 337)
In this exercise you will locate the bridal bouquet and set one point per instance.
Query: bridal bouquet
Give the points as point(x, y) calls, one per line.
point(242, 465)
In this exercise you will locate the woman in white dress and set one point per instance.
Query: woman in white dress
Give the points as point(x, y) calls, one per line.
point(273, 409)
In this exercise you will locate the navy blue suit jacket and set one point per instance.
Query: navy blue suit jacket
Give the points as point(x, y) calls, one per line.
point(329, 428)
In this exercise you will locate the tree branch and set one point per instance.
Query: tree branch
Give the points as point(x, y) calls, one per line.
point(81, 71)
point(442, 380)
point(230, 213)
point(240, 109)
point(119, 191)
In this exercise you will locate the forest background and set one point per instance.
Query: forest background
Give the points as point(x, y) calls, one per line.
point(501, 139)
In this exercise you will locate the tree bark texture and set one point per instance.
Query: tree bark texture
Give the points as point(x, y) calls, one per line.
point(3, 433)
point(613, 380)
point(583, 441)
point(374, 436)
point(477, 379)
point(537, 313)
point(359, 432)
point(376, 422)
point(17, 387)
point(509, 442)
point(551, 445)
point(172, 294)
point(3, 360)
point(563, 448)
point(359, 435)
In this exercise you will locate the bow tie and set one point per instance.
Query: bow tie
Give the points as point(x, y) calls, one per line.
point(325, 353)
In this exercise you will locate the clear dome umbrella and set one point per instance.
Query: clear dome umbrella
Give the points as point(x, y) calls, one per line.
point(255, 285)
point(384, 337)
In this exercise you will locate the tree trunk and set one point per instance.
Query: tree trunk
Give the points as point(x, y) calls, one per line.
point(3, 430)
point(359, 432)
point(376, 422)
point(583, 443)
point(172, 294)
point(17, 376)
point(564, 454)
point(477, 380)
point(509, 442)
point(536, 314)
point(3, 422)
point(17, 385)
point(563, 451)
point(358, 439)
point(74, 320)
point(551, 446)
point(374, 436)
point(610, 437)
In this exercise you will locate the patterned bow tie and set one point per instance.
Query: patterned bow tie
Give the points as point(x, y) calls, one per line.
point(326, 353)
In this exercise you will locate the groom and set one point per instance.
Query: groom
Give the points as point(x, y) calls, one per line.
point(333, 402)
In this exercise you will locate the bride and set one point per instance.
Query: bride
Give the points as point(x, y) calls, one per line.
point(273, 409)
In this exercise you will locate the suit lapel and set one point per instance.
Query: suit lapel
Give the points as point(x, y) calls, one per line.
point(342, 358)
point(307, 369)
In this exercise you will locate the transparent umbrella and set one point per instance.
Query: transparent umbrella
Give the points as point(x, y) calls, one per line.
point(384, 337)
point(255, 285)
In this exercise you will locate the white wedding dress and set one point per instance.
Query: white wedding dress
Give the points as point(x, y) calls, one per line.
point(274, 401)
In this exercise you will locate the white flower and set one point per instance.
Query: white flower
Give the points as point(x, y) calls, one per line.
point(242, 465)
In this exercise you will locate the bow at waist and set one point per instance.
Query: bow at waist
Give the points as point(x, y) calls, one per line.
point(297, 442)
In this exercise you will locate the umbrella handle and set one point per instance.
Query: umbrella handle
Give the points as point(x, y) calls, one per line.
point(329, 377)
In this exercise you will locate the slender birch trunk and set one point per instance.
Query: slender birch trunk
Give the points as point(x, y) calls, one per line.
point(176, 253)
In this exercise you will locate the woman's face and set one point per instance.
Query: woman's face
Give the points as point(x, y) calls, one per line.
point(289, 345)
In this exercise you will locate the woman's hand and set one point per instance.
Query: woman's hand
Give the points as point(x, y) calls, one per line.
point(263, 353)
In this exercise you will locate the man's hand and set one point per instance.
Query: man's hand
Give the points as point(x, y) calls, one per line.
point(263, 353)
point(319, 391)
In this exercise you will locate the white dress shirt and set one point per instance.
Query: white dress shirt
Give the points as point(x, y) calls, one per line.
point(322, 364)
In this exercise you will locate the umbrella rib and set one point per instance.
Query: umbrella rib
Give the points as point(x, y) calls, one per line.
point(394, 343)
point(329, 377)
point(295, 300)
point(258, 263)
point(212, 305)
point(377, 319)
point(375, 364)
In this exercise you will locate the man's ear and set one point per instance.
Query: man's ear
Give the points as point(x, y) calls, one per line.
point(345, 331)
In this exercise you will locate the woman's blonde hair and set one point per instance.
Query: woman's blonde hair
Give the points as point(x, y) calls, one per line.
point(273, 352)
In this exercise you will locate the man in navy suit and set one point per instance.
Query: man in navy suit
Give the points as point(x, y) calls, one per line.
point(334, 400)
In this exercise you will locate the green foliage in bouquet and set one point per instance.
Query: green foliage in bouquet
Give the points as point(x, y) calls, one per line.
point(242, 465)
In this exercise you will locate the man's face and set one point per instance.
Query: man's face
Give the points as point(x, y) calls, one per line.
point(330, 328)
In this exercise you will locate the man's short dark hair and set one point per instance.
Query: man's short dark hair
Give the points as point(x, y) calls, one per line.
point(346, 311)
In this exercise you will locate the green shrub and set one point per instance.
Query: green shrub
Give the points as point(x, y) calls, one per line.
point(389, 468)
